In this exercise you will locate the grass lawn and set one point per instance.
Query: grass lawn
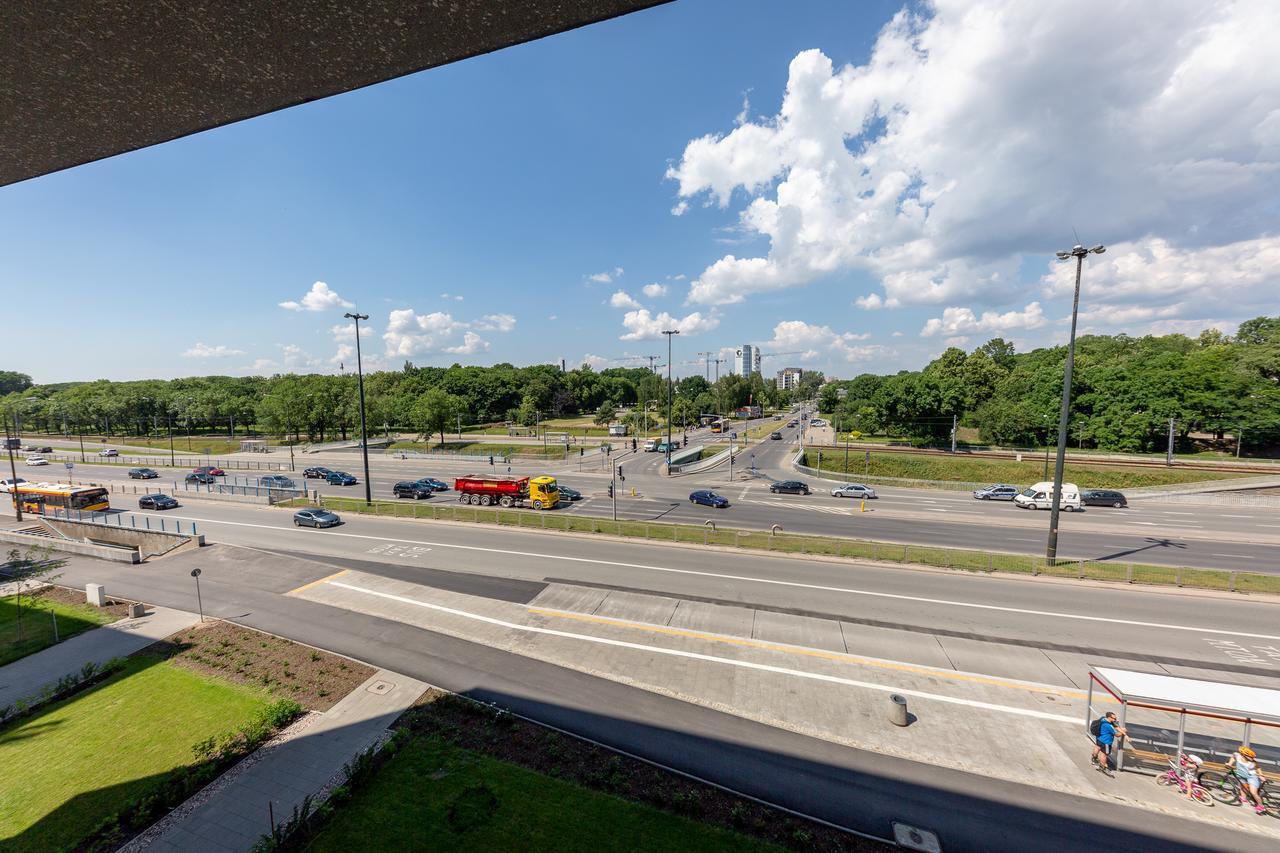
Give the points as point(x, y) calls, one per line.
point(79, 760)
point(925, 466)
point(434, 796)
point(483, 448)
point(38, 614)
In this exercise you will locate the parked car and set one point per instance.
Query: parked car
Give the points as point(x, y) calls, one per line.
point(315, 518)
point(157, 501)
point(211, 470)
point(276, 481)
point(142, 474)
point(708, 498)
point(438, 485)
point(568, 494)
point(1103, 497)
point(108, 451)
point(37, 460)
point(854, 490)
point(415, 489)
point(45, 449)
point(998, 492)
point(789, 487)
point(340, 478)
point(7, 484)
point(775, 436)
point(201, 479)
point(1040, 496)
point(316, 473)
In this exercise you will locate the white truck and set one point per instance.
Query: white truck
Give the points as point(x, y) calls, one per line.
point(1040, 496)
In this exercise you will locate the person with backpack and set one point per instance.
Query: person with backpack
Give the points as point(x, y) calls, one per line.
point(1104, 732)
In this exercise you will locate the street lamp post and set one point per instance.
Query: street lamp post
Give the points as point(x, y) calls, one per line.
point(669, 334)
point(364, 438)
point(1078, 252)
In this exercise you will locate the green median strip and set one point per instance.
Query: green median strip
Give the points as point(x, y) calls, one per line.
point(791, 543)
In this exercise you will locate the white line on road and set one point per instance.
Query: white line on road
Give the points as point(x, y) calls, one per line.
point(1237, 556)
point(770, 581)
point(781, 670)
point(1236, 516)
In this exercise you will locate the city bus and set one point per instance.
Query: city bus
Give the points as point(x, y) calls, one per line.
point(718, 426)
point(46, 498)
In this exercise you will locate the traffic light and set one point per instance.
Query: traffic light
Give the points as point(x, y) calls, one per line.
point(611, 490)
point(620, 477)
point(490, 461)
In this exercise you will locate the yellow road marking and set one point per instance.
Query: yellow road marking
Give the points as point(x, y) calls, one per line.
point(325, 579)
point(815, 653)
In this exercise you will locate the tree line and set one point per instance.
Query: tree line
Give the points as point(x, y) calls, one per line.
point(1124, 392)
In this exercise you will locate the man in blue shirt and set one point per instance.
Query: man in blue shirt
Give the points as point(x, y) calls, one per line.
point(1108, 730)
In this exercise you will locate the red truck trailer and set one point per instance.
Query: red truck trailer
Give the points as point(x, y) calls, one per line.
point(537, 492)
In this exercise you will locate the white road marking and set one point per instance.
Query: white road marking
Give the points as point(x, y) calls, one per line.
point(1236, 516)
point(780, 670)
point(1177, 513)
point(1237, 556)
point(769, 581)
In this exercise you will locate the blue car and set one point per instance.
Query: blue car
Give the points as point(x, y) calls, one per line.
point(438, 485)
point(709, 498)
point(340, 478)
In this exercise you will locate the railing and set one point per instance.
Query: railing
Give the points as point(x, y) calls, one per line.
point(162, 525)
point(163, 461)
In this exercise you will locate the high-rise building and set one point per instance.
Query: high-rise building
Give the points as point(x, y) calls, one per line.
point(789, 378)
point(748, 360)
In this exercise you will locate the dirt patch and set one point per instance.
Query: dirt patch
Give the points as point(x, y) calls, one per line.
point(466, 724)
point(287, 670)
point(115, 609)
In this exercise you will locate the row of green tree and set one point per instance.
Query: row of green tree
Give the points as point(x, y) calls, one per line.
point(321, 406)
point(1124, 392)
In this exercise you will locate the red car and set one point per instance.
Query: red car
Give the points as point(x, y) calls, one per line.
point(211, 470)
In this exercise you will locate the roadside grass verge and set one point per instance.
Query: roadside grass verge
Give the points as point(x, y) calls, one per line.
point(45, 614)
point(909, 466)
point(484, 448)
point(792, 543)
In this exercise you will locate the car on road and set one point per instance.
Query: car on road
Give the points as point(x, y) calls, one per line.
point(998, 492)
point(142, 474)
point(854, 490)
point(276, 481)
point(315, 518)
point(817, 422)
point(663, 447)
point(568, 494)
point(108, 451)
point(340, 478)
point(789, 487)
point(792, 423)
point(212, 470)
point(1103, 497)
point(201, 479)
point(157, 501)
point(650, 445)
point(1040, 496)
point(438, 485)
point(37, 460)
point(415, 489)
point(7, 484)
point(775, 436)
point(706, 497)
point(317, 473)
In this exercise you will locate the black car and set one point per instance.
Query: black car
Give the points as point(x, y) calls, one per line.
point(775, 436)
point(315, 518)
point(202, 479)
point(412, 489)
point(1103, 497)
point(340, 478)
point(316, 473)
point(157, 501)
point(709, 498)
point(142, 474)
point(789, 487)
point(567, 493)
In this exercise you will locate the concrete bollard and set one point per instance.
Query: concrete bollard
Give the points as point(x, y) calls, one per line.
point(94, 594)
point(137, 610)
point(897, 709)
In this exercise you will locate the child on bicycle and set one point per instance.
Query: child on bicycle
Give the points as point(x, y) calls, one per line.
point(1244, 761)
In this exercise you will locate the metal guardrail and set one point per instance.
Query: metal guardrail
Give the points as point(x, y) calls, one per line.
point(163, 461)
point(105, 519)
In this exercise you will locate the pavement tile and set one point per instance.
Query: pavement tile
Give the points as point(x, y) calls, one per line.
point(575, 599)
point(637, 607)
point(714, 618)
point(798, 630)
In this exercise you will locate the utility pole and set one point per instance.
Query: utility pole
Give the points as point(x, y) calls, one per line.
point(1239, 441)
point(1168, 453)
point(364, 436)
point(1051, 551)
point(953, 433)
point(13, 471)
point(670, 333)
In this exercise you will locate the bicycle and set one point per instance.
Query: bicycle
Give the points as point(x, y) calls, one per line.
point(1225, 787)
point(1182, 774)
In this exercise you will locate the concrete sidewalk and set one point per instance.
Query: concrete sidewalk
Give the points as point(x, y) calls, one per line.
point(232, 813)
point(25, 677)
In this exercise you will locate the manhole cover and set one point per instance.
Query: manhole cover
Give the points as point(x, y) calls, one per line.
point(380, 687)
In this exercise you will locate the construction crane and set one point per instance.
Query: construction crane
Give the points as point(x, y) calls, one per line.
point(761, 356)
point(707, 357)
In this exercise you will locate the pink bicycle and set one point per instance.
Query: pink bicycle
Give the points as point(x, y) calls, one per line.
point(1182, 775)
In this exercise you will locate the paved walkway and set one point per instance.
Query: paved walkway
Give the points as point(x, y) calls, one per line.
point(25, 677)
point(234, 814)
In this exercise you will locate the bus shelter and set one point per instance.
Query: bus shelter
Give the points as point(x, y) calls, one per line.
point(1186, 697)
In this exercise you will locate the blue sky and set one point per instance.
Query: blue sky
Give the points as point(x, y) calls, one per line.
point(901, 201)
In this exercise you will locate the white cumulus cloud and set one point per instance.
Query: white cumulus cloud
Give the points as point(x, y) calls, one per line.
point(961, 321)
point(655, 290)
point(641, 325)
point(622, 299)
point(471, 344)
point(495, 323)
point(202, 350)
point(606, 277)
point(801, 341)
point(319, 298)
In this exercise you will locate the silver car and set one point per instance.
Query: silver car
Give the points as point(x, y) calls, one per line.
point(854, 490)
point(999, 492)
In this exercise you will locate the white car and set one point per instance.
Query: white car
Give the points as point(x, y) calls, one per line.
point(7, 484)
point(853, 490)
point(37, 460)
point(109, 451)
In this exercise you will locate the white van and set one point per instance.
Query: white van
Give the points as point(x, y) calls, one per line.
point(650, 445)
point(1040, 496)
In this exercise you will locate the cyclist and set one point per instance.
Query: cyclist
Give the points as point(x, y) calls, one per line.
point(1107, 728)
point(1244, 761)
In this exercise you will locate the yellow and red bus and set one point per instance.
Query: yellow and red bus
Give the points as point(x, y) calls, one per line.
point(47, 497)
point(719, 426)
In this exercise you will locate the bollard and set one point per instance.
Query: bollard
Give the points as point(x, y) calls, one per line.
point(897, 709)
point(863, 507)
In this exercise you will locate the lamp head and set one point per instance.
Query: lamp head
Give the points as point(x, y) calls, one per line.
point(1062, 256)
point(1098, 249)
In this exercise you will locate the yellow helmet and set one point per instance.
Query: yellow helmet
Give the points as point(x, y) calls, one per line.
point(1248, 753)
